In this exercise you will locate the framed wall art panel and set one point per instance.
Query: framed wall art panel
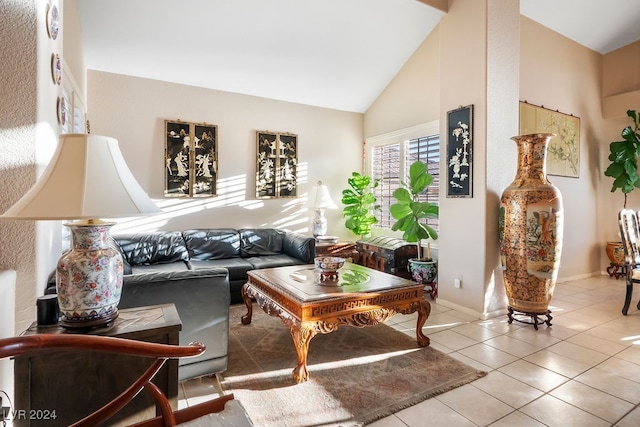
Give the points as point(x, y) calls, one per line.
point(563, 152)
point(205, 158)
point(288, 157)
point(276, 165)
point(190, 159)
point(177, 156)
point(460, 152)
point(266, 167)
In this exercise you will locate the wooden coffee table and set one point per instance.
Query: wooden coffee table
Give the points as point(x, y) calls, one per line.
point(309, 305)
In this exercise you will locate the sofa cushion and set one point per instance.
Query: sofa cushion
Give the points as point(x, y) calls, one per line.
point(237, 267)
point(160, 268)
point(206, 244)
point(271, 261)
point(260, 242)
point(157, 247)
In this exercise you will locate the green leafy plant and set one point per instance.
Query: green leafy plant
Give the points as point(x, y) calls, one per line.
point(409, 212)
point(359, 203)
point(624, 158)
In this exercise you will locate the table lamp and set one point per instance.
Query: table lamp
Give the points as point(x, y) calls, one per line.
point(86, 179)
point(319, 200)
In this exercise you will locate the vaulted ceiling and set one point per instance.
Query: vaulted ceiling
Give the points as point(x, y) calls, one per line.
point(337, 54)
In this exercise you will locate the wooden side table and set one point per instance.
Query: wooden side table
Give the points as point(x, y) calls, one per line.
point(74, 384)
point(345, 250)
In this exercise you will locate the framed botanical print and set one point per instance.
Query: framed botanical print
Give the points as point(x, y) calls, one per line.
point(563, 151)
point(276, 165)
point(460, 152)
point(191, 159)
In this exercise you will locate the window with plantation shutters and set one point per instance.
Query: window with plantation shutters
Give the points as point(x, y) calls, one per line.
point(427, 150)
point(386, 169)
point(389, 164)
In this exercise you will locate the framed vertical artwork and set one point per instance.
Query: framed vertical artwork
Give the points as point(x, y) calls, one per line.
point(460, 152)
point(563, 152)
point(276, 165)
point(288, 161)
point(191, 159)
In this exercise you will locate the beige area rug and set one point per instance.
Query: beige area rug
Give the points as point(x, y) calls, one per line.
point(356, 375)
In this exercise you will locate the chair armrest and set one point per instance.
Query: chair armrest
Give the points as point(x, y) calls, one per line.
point(17, 346)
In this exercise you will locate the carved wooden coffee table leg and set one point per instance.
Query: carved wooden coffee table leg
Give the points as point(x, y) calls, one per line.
point(302, 335)
point(424, 309)
point(248, 301)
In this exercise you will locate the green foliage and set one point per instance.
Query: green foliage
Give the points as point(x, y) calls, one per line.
point(408, 211)
point(359, 202)
point(624, 158)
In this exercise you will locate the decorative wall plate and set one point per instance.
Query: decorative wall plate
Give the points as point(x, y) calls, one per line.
point(62, 110)
point(56, 68)
point(53, 21)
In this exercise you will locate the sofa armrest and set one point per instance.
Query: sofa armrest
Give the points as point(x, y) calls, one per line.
point(202, 300)
point(299, 246)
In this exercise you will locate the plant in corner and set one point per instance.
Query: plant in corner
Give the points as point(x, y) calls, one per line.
point(359, 202)
point(410, 214)
point(624, 171)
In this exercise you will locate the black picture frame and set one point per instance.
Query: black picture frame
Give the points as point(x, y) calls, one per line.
point(191, 159)
point(177, 159)
point(276, 165)
point(266, 164)
point(460, 152)
point(288, 165)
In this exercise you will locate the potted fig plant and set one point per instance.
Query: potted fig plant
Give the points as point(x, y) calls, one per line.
point(359, 202)
point(410, 215)
point(624, 171)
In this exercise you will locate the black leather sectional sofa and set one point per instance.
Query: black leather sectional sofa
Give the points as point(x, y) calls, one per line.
point(202, 271)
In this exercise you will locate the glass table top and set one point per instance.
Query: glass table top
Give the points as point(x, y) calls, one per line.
point(305, 282)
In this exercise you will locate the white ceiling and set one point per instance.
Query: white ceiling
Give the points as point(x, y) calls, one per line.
point(337, 54)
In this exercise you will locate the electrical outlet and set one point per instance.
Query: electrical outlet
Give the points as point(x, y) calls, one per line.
point(457, 282)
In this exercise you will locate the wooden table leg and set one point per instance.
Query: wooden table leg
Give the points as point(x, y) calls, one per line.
point(302, 334)
point(424, 309)
point(248, 301)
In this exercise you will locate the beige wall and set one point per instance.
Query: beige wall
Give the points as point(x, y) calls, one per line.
point(621, 92)
point(552, 71)
point(413, 96)
point(28, 131)
point(133, 111)
point(563, 75)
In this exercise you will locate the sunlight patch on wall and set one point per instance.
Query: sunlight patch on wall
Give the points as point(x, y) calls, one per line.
point(232, 191)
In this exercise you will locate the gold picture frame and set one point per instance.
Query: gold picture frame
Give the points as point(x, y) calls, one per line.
point(563, 152)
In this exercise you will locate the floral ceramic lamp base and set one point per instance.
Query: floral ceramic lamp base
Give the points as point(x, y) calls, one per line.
point(318, 223)
point(89, 277)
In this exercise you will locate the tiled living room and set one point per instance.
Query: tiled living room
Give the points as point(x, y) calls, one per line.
point(324, 88)
point(581, 371)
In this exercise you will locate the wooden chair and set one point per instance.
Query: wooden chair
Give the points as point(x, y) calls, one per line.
point(23, 345)
point(630, 233)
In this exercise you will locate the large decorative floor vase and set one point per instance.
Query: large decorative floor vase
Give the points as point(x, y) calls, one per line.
point(531, 223)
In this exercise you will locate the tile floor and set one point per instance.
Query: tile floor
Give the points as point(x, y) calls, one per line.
point(584, 370)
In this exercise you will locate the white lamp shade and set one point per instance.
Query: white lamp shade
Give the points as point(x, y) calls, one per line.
point(87, 178)
point(319, 198)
